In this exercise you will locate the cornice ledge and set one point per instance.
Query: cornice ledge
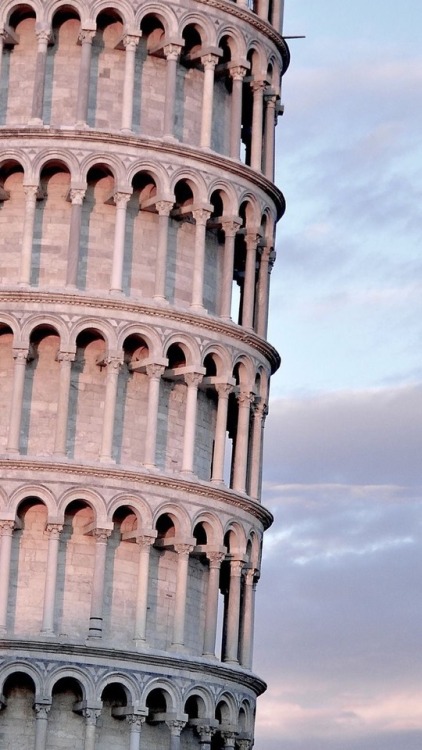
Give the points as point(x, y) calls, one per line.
point(204, 322)
point(191, 487)
point(258, 23)
point(145, 658)
point(211, 158)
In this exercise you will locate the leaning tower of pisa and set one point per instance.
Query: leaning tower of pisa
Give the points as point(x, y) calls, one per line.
point(137, 219)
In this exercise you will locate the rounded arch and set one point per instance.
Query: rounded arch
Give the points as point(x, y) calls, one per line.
point(235, 42)
point(14, 158)
point(58, 5)
point(170, 690)
point(55, 158)
point(138, 505)
point(177, 514)
point(235, 538)
point(256, 55)
point(22, 667)
point(91, 498)
point(212, 527)
point(37, 492)
point(249, 210)
point(164, 15)
point(201, 24)
point(11, 6)
point(107, 162)
point(205, 704)
point(195, 182)
point(188, 346)
point(226, 194)
point(150, 337)
point(8, 320)
point(84, 681)
point(221, 359)
point(45, 320)
point(245, 717)
point(244, 372)
point(121, 9)
point(153, 170)
point(254, 547)
point(94, 324)
point(226, 708)
point(128, 684)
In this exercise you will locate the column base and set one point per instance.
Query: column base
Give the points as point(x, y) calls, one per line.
point(126, 131)
point(160, 300)
point(107, 460)
point(35, 122)
point(81, 125)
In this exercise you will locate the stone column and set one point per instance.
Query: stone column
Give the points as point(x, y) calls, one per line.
point(41, 721)
point(205, 732)
point(257, 124)
point(244, 744)
point(130, 42)
point(85, 38)
point(110, 399)
point(233, 614)
point(172, 53)
point(244, 401)
point(223, 390)
point(263, 9)
point(43, 38)
point(121, 200)
point(53, 530)
point(31, 194)
point(144, 542)
point(154, 373)
point(21, 357)
point(192, 380)
point(266, 265)
point(230, 228)
point(237, 74)
point(91, 715)
point(2, 40)
point(163, 208)
point(269, 142)
point(209, 62)
point(97, 594)
point(183, 551)
point(277, 19)
point(65, 359)
point(175, 727)
point(260, 411)
point(229, 739)
point(215, 560)
point(76, 196)
point(248, 619)
point(6, 531)
point(135, 722)
point(201, 216)
point(248, 297)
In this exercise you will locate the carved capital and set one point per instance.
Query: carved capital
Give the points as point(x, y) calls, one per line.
point(238, 73)
point(154, 371)
point(121, 199)
point(145, 541)
point(164, 207)
point(230, 227)
point(172, 51)
point(86, 36)
point(114, 363)
point(236, 568)
point(201, 215)
point(251, 241)
point(183, 549)
point(43, 37)
point(101, 535)
point(193, 379)
point(6, 528)
point(175, 726)
point(91, 715)
point(76, 196)
point(135, 721)
point(66, 356)
point(260, 409)
point(130, 41)
point(31, 192)
point(209, 61)
point(223, 389)
point(245, 399)
point(41, 711)
point(53, 530)
point(244, 744)
point(229, 739)
point(205, 732)
point(258, 87)
point(215, 558)
point(21, 355)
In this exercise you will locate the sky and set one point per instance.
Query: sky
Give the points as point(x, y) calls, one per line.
point(339, 608)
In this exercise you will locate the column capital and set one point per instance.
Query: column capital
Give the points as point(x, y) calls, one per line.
point(215, 558)
point(224, 389)
point(131, 41)
point(258, 85)
point(31, 191)
point(205, 731)
point(154, 371)
point(135, 720)
point(76, 196)
point(244, 744)
point(101, 535)
point(229, 738)
point(114, 362)
point(91, 715)
point(53, 530)
point(86, 36)
point(144, 541)
point(175, 726)
point(42, 710)
point(121, 198)
point(183, 550)
point(164, 207)
point(193, 378)
point(260, 409)
point(65, 356)
point(201, 215)
point(238, 72)
point(236, 568)
point(44, 36)
point(245, 398)
point(231, 226)
point(21, 355)
point(172, 51)
point(209, 61)
point(6, 527)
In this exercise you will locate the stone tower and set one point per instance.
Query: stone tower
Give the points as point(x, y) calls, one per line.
point(137, 219)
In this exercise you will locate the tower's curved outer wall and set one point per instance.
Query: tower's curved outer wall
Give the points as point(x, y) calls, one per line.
point(137, 220)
